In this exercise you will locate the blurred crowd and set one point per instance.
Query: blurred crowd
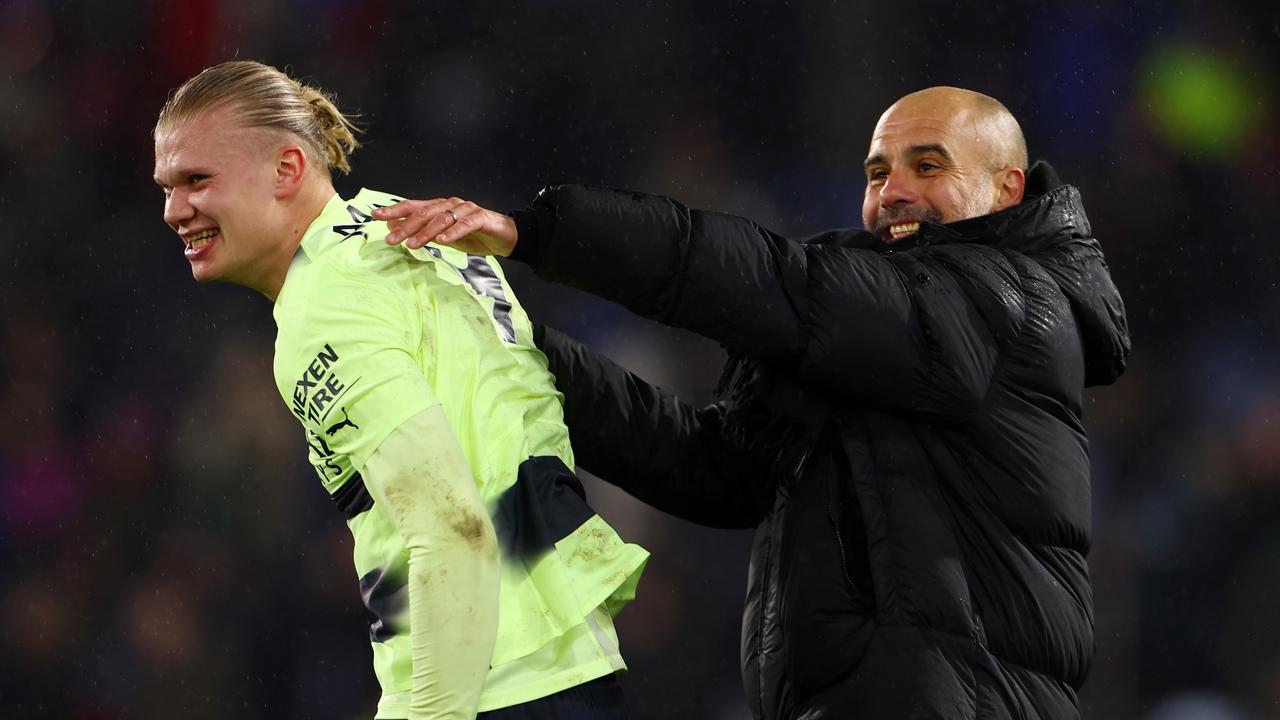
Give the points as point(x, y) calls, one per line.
point(166, 551)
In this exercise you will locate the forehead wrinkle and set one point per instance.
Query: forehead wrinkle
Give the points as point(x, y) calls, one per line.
point(897, 122)
point(926, 148)
point(881, 158)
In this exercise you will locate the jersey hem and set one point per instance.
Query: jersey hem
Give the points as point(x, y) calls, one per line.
point(396, 707)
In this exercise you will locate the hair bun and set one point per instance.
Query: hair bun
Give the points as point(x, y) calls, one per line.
point(335, 132)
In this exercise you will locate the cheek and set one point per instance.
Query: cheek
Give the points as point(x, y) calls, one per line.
point(949, 200)
point(870, 208)
point(981, 200)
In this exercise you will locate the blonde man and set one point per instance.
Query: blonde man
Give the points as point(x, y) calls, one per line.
point(430, 416)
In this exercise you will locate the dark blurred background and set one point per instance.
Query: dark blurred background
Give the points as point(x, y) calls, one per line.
point(165, 550)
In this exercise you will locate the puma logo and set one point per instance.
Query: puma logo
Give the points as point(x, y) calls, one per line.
point(346, 421)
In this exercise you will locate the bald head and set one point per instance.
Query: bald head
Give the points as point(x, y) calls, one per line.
point(940, 155)
point(991, 123)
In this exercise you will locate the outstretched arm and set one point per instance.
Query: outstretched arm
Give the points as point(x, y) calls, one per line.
point(916, 332)
point(449, 221)
point(649, 443)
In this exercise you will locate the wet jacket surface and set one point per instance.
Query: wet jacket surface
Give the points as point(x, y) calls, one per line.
point(900, 423)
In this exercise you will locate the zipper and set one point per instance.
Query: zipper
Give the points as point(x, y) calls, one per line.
point(771, 577)
point(804, 457)
point(763, 592)
point(835, 525)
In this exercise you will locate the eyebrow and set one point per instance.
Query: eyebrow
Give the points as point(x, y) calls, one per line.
point(914, 150)
point(930, 148)
point(183, 174)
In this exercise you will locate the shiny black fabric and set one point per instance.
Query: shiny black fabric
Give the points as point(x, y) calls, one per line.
point(900, 423)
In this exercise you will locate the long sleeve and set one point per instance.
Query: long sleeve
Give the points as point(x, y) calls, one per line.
point(420, 475)
point(662, 451)
point(913, 331)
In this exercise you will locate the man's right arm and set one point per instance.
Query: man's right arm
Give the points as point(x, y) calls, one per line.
point(914, 332)
point(662, 451)
point(347, 367)
point(421, 477)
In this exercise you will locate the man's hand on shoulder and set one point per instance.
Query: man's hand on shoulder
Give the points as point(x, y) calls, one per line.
point(450, 222)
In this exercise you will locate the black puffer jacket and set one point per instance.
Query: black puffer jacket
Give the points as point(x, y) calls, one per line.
point(902, 424)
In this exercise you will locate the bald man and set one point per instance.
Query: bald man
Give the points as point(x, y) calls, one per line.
point(899, 418)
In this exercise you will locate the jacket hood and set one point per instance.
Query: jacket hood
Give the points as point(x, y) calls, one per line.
point(1051, 227)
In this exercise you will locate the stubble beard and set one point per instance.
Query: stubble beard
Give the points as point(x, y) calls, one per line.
point(893, 216)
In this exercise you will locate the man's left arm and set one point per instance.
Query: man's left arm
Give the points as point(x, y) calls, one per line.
point(664, 452)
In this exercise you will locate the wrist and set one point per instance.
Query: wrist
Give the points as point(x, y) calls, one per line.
point(526, 248)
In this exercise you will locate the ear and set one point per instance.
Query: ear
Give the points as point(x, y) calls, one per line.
point(291, 170)
point(1010, 184)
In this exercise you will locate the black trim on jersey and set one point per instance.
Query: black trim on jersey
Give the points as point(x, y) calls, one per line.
point(385, 594)
point(353, 497)
point(544, 506)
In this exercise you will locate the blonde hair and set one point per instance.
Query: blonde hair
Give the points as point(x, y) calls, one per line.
point(262, 96)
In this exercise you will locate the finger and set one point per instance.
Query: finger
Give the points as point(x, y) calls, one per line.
point(402, 208)
point(423, 213)
point(433, 229)
point(469, 218)
point(394, 210)
point(402, 218)
point(438, 223)
point(437, 219)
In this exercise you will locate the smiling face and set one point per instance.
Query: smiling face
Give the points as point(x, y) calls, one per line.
point(937, 156)
point(220, 181)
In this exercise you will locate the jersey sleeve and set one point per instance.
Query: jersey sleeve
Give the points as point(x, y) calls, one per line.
point(431, 496)
point(349, 364)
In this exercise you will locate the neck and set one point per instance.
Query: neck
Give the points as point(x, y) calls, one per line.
point(299, 212)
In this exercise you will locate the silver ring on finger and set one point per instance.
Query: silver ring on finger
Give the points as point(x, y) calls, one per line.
point(453, 215)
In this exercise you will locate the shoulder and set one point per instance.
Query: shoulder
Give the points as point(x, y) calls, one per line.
point(344, 256)
point(345, 303)
point(959, 280)
point(853, 238)
point(970, 263)
point(346, 285)
point(346, 240)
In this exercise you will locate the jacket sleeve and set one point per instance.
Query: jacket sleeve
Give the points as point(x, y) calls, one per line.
point(916, 331)
point(660, 450)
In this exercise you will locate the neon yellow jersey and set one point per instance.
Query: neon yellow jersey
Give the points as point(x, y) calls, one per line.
point(370, 335)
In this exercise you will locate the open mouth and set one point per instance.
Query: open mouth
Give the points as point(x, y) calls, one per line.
point(200, 240)
point(901, 230)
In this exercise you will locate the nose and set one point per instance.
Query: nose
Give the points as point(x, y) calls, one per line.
point(177, 208)
point(898, 190)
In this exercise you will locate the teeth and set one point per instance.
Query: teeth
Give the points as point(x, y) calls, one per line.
point(903, 229)
point(202, 238)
